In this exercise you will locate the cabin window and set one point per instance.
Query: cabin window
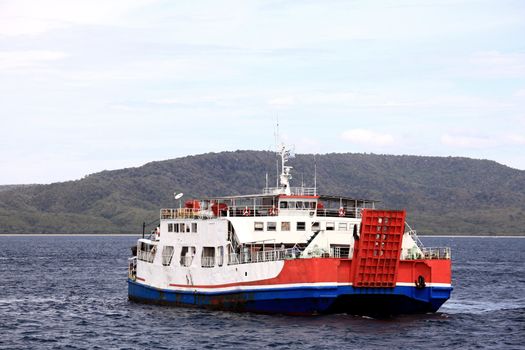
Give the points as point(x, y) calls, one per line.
point(301, 226)
point(316, 226)
point(146, 252)
point(175, 227)
point(194, 227)
point(208, 257)
point(220, 255)
point(285, 226)
point(170, 227)
point(186, 255)
point(182, 227)
point(271, 226)
point(188, 228)
point(284, 205)
point(258, 226)
point(167, 255)
point(342, 226)
point(330, 226)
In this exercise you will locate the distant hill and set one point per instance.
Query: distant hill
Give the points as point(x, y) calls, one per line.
point(443, 195)
point(12, 187)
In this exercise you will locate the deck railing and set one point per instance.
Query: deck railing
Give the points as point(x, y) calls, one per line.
point(258, 210)
point(428, 253)
point(294, 191)
point(436, 253)
point(341, 252)
point(208, 261)
point(248, 257)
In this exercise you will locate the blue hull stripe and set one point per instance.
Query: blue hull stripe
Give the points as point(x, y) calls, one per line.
point(302, 299)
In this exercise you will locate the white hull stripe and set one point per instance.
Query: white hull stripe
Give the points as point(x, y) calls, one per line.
point(240, 288)
point(408, 284)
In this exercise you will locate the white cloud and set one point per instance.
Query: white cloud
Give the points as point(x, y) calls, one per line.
point(29, 17)
point(520, 93)
point(367, 137)
point(516, 139)
point(495, 64)
point(23, 59)
point(282, 101)
point(467, 141)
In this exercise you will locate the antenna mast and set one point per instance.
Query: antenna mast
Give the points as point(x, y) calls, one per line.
point(276, 135)
point(315, 176)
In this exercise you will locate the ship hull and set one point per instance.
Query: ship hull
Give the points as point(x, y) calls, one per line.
point(302, 299)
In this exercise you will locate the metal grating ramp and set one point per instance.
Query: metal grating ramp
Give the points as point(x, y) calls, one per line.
point(377, 252)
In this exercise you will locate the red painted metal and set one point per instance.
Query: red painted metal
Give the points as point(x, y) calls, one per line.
point(378, 250)
point(327, 270)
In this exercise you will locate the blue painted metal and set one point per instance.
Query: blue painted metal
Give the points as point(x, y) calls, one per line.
point(302, 299)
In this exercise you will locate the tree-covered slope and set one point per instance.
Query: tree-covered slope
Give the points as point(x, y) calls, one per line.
point(442, 195)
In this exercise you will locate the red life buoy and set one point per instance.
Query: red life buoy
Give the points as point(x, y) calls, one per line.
point(342, 211)
point(273, 211)
point(246, 211)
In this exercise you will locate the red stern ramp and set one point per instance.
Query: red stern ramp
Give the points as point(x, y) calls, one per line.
point(378, 249)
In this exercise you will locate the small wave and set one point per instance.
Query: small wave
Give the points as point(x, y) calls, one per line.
point(7, 301)
point(478, 307)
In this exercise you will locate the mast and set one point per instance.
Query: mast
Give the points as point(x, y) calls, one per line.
point(315, 176)
point(285, 170)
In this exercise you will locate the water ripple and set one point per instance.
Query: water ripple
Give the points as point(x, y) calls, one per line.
point(70, 293)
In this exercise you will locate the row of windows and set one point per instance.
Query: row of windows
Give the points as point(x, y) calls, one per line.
point(210, 256)
point(183, 227)
point(297, 205)
point(301, 226)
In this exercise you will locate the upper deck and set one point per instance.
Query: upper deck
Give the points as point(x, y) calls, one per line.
point(295, 204)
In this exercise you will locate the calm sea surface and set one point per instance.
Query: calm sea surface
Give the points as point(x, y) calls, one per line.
point(71, 293)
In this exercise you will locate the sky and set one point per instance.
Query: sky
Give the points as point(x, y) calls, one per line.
point(96, 85)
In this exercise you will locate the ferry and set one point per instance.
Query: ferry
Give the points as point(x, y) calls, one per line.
point(288, 250)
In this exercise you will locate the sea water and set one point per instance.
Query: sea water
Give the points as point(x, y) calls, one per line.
point(70, 292)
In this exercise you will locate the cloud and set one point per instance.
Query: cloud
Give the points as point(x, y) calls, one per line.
point(467, 141)
point(520, 93)
point(495, 64)
point(304, 98)
point(282, 101)
point(515, 139)
point(23, 59)
point(29, 17)
point(367, 137)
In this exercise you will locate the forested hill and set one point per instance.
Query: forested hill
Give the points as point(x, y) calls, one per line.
point(442, 195)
